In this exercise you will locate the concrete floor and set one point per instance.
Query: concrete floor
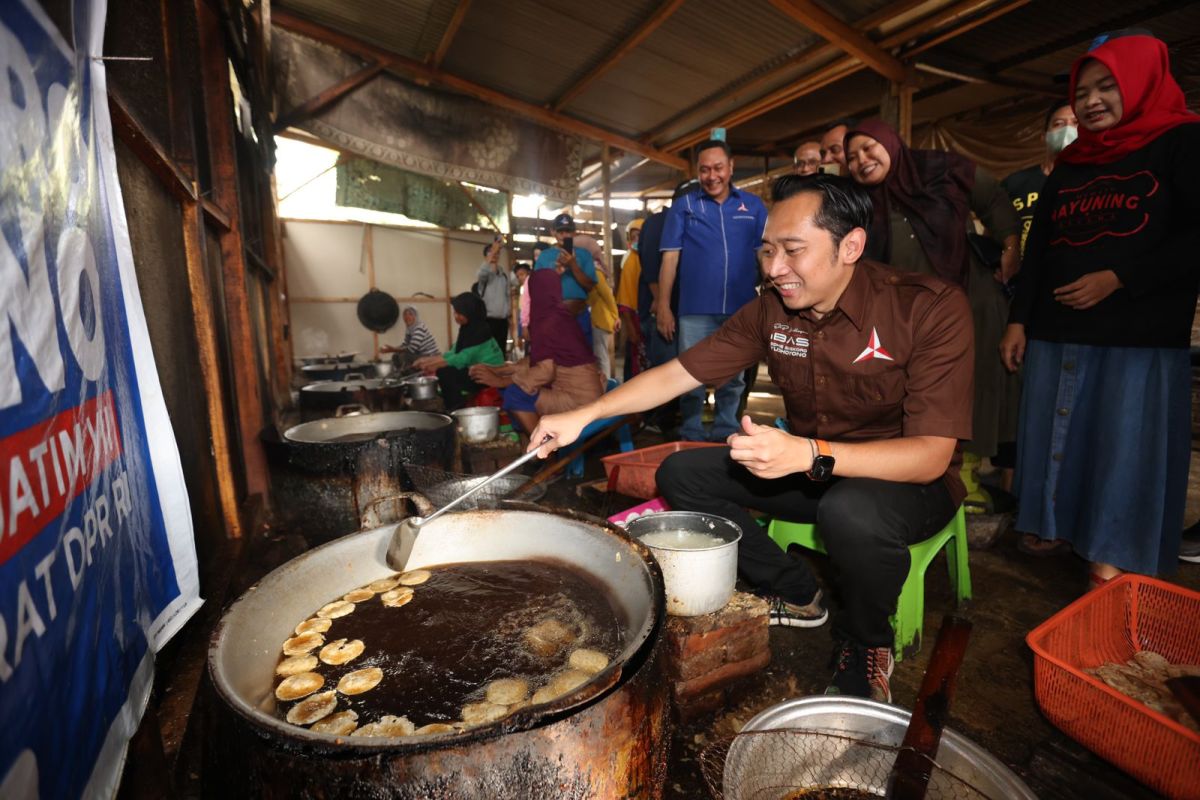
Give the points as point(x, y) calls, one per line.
point(994, 705)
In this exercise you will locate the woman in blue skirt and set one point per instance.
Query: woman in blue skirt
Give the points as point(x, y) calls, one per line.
point(1102, 318)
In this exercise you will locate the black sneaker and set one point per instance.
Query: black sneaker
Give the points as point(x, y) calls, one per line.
point(791, 615)
point(862, 671)
point(1189, 547)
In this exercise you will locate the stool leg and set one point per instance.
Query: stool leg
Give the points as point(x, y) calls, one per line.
point(575, 468)
point(910, 613)
point(957, 561)
point(625, 438)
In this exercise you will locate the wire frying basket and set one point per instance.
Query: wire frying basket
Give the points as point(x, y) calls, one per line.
point(798, 764)
point(440, 487)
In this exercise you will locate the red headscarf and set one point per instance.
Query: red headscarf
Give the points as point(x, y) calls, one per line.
point(1152, 100)
point(933, 187)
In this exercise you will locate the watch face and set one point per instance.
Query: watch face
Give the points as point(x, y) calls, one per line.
point(822, 468)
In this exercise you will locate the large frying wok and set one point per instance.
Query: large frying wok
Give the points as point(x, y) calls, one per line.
point(607, 739)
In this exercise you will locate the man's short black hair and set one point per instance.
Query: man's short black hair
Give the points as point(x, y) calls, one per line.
point(710, 144)
point(1054, 107)
point(850, 122)
point(522, 266)
point(844, 204)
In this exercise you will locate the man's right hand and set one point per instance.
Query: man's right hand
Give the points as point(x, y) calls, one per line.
point(666, 322)
point(1012, 347)
point(564, 428)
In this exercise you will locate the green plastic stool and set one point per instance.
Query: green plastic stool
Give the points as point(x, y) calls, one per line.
point(909, 618)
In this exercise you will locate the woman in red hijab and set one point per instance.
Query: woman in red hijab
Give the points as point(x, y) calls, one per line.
point(1102, 318)
point(922, 201)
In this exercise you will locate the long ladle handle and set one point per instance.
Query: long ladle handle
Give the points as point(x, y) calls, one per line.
point(456, 501)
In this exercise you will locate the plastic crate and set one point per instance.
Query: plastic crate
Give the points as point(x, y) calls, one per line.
point(654, 506)
point(635, 476)
point(1111, 623)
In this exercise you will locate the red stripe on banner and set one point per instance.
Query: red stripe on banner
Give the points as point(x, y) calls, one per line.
point(44, 467)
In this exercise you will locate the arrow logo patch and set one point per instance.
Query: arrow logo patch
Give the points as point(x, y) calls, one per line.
point(874, 350)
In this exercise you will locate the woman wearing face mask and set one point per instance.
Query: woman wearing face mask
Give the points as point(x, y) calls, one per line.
point(922, 201)
point(1102, 318)
point(1024, 188)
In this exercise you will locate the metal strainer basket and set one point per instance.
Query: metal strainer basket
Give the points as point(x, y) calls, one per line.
point(440, 487)
point(799, 764)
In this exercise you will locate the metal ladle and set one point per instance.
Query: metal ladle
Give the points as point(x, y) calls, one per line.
point(405, 535)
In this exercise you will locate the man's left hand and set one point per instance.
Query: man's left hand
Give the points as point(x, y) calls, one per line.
point(1088, 290)
point(769, 452)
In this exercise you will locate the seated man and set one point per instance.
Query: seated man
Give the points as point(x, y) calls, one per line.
point(876, 370)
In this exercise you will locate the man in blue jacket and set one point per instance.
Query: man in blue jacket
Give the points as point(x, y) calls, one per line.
point(710, 242)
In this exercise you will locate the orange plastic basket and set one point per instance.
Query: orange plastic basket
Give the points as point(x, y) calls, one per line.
point(635, 469)
point(1112, 623)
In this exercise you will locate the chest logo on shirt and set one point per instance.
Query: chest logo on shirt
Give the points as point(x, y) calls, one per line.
point(788, 341)
point(742, 207)
point(874, 350)
point(1110, 205)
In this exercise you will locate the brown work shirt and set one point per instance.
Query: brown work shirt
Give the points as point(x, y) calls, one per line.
point(894, 358)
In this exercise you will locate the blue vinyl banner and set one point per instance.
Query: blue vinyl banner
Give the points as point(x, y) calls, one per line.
point(97, 558)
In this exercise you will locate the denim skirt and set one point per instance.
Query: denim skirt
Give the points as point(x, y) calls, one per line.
point(1103, 449)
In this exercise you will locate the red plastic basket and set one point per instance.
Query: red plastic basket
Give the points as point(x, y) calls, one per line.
point(1112, 623)
point(637, 467)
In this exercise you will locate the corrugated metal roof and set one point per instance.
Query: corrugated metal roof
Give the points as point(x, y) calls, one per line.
point(411, 28)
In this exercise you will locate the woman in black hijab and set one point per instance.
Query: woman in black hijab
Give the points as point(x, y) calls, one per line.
point(474, 345)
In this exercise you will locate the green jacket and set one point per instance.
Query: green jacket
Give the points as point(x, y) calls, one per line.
point(485, 353)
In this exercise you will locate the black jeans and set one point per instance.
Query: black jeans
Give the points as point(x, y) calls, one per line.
point(499, 332)
point(457, 387)
point(866, 524)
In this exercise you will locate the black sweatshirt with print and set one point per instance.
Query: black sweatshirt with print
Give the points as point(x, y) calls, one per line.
point(1138, 216)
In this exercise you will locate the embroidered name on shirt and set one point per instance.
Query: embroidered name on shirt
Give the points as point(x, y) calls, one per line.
point(874, 350)
point(788, 341)
point(1109, 205)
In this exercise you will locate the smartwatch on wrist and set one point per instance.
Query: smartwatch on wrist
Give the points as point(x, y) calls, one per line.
point(823, 461)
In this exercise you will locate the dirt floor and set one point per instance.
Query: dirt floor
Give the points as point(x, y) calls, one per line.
point(995, 704)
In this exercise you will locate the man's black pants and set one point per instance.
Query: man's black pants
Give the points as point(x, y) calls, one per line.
point(866, 524)
point(499, 332)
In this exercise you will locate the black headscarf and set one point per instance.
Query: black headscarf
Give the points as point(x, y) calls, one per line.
point(476, 330)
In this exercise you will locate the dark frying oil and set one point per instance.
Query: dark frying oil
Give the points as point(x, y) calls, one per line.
point(464, 628)
point(831, 793)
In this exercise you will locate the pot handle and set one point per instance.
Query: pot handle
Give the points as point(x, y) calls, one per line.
point(351, 410)
point(354, 376)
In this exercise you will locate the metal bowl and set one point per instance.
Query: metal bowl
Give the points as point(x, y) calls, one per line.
point(477, 424)
point(698, 581)
point(780, 761)
point(422, 387)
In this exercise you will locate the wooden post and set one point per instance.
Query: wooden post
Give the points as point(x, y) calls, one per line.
point(218, 112)
point(905, 117)
point(514, 287)
point(446, 283)
point(369, 252)
point(605, 175)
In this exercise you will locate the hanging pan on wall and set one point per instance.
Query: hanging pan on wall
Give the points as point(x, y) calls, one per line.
point(378, 311)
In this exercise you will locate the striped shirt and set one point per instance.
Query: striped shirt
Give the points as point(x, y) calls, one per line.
point(418, 341)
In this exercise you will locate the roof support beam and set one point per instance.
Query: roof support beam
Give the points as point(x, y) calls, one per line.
point(843, 36)
point(416, 69)
point(847, 65)
point(456, 21)
point(644, 29)
point(324, 100)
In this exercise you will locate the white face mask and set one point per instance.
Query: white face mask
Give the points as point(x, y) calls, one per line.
point(1058, 139)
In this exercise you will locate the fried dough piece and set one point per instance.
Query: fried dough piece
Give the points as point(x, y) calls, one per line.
point(358, 595)
point(341, 651)
point(295, 665)
point(383, 584)
point(312, 709)
point(314, 625)
point(339, 724)
point(415, 577)
point(543, 695)
point(434, 728)
point(549, 637)
point(483, 712)
point(387, 726)
point(299, 645)
point(569, 681)
point(338, 608)
point(589, 661)
point(507, 691)
point(361, 680)
point(296, 686)
point(394, 598)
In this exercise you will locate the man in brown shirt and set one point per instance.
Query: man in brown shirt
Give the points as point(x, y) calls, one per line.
point(875, 367)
